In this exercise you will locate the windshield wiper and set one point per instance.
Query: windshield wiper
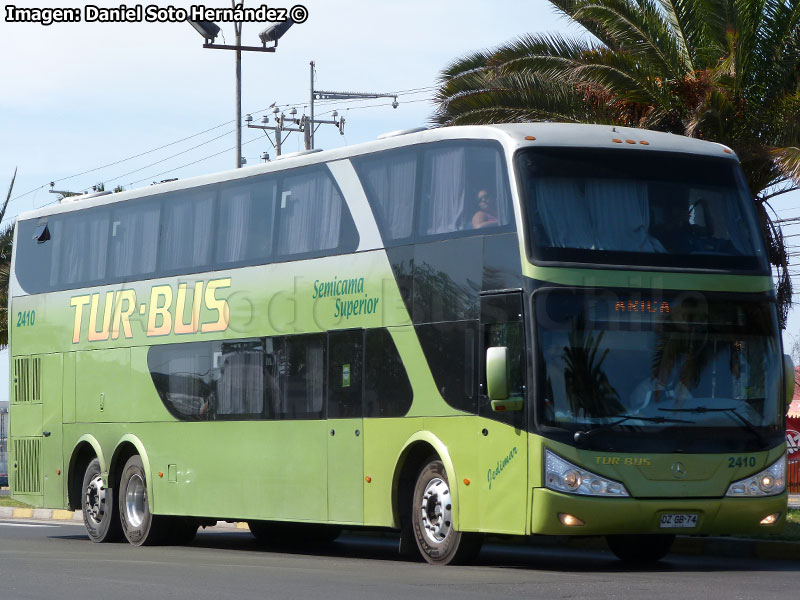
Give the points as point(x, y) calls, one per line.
point(582, 436)
point(728, 410)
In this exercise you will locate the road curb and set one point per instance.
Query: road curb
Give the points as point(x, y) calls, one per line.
point(710, 546)
point(48, 514)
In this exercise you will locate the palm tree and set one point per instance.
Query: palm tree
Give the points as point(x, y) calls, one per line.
point(712, 69)
point(6, 241)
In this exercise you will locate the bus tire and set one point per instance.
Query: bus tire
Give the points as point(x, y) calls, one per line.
point(640, 549)
point(140, 526)
point(431, 513)
point(99, 507)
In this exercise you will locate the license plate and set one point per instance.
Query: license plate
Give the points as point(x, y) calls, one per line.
point(678, 520)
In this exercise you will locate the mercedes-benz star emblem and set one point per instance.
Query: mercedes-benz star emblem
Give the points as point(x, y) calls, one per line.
point(678, 470)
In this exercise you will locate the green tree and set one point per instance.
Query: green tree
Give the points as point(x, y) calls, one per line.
point(720, 70)
point(6, 242)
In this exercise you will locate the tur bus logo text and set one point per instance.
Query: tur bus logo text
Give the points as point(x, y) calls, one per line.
point(110, 312)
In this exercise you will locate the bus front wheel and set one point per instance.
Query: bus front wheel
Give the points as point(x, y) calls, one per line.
point(640, 549)
point(139, 525)
point(431, 520)
point(97, 504)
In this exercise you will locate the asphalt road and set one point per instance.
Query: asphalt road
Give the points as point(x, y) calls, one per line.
point(45, 560)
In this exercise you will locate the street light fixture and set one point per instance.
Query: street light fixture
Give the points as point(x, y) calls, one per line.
point(210, 30)
point(207, 29)
point(275, 32)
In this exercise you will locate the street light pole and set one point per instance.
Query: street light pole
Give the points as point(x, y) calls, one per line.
point(238, 28)
point(210, 30)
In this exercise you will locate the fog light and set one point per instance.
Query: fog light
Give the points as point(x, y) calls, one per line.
point(569, 520)
point(771, 519)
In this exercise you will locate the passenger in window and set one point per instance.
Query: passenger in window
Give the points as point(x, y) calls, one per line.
point(486, 216)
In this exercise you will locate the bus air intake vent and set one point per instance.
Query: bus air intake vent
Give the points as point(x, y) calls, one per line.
point(27, 465)
point(27, 380)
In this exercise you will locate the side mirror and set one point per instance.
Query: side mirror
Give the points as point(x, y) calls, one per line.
point(497, 380)
point(788, 376)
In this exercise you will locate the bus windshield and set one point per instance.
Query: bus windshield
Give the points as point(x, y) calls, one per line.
point(639, 208)
point(647, 364)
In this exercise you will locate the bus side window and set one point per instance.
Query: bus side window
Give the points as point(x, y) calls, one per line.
point(183, 375)
point(299, 373)
point(244, 226)
point(502, 325)
point(390, 181)
point(451, 350)
point(312, 216)
point(187, 222)
point(134, 239)
point(240, 386)
point(79, 248)
point(464, 187)
point(345, 366)
point(387, 389)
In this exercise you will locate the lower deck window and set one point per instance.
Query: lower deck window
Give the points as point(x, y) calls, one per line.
point(282, 378)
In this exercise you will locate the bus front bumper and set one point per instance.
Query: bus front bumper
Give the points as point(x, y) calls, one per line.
point(604, 516)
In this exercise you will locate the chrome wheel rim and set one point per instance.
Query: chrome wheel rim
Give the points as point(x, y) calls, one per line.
point(135, 501)
point(436, 511)
point(95, 500)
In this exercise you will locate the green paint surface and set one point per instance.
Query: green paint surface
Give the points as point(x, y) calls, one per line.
point(296, 470)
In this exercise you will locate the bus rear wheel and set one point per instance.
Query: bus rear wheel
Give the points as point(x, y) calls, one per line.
point(140, 526)
point(98, 507)
point(640, 549)
point(431, 520)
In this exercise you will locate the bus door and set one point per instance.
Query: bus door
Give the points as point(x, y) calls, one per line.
point(503, 438)
point(345, 426)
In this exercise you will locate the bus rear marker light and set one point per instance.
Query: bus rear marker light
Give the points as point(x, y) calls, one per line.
point(58, 471)
point(727, 151)
point(466, 481)
point(368, 479)
point(771, 519)
point(644, 143)
point(569, 520)
point(631, 141)
point(617, 141)
point(161, 473)
point(530, 138)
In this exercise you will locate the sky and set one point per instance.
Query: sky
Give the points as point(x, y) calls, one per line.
point(78, 96)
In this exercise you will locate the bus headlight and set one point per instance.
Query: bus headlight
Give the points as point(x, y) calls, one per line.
point(562, 476)
point(769, 482)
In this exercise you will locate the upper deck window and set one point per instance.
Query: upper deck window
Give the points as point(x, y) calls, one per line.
point(463, 188)
point(309, 213)
point(186, 230)
point(452, 189)
point(219, 226)
point(637, 208)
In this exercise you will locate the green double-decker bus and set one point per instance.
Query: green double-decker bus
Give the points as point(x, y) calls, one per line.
point(525, 329)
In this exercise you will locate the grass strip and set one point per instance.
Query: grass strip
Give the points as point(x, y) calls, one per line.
point(8, 501)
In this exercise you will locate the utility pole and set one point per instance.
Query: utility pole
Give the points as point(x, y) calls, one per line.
point(279, 127)
point(324, 95)
point(310, 136)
